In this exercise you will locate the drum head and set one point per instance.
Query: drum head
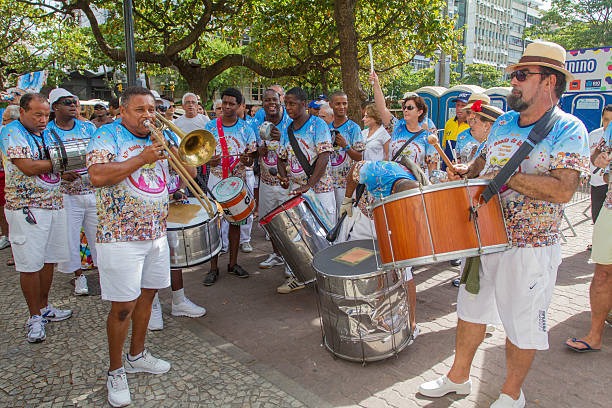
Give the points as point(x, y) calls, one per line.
point(200, 217)
point(352, 258)
point(228, 188)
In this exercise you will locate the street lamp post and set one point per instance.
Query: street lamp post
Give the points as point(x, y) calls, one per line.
point(130, 54)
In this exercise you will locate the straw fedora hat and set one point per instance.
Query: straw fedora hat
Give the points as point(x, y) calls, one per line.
point(486, 111)
point(546, 54)
point(477, 97)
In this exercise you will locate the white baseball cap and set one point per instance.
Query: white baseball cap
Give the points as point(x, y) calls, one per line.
point(156, 95)
point(56, 94)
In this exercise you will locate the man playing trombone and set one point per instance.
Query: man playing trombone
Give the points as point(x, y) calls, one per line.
point(130, 172)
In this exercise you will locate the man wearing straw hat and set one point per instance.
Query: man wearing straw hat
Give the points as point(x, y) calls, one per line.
point(515, 287)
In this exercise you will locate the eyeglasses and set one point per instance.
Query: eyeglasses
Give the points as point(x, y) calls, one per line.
point(521, 75)
point(67, 102)
point(408, 107)
point(29, 216)
point(172, 106)
point(161, 108)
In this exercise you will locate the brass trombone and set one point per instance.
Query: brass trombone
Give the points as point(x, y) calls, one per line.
point(195, 149)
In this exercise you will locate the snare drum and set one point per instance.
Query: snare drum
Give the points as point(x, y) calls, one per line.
point(298, 231)
point(196, 242)
point(236, 201)
point(68, 156)
point(364, 310)
point(436, 223)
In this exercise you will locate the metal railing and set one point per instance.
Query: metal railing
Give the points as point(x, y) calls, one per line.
point(582, 194)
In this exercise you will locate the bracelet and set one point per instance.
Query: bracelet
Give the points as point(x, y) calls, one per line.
point(347, 148)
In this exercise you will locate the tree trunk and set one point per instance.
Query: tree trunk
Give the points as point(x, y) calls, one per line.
point(344, 15)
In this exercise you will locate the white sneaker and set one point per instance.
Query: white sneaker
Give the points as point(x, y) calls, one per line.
point(4, 242)
point(36, 329)
point(146, 364)
point(505, 401)
point(80, 285)
point(187, 308)
point(53, 314)
point(156, 321)
point(290, 285)
point(443, 386)
point(246, 247)
point(118, 389)
point(272, 260)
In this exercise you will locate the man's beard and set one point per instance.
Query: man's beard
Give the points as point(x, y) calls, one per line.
point(516, 103)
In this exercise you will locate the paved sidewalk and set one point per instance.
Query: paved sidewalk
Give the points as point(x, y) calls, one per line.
point(258, 348)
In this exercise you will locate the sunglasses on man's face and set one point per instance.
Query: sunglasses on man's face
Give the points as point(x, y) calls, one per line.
point(161, 108)
point(68, 102)
point(522, 75)
point(408, 107)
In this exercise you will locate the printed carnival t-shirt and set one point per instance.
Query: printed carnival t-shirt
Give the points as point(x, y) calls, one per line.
point(40, 191)
point(314, 138)
point(419, 150)
point(340, 161)
point(240, 139)
point(136, 208)
point(80, 131)
point(270, 159)
point(535, 223)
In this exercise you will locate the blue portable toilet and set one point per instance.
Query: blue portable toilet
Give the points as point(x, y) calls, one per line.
point(586, 106)
point(431, 95)
point(447, 107)
point(498, 96)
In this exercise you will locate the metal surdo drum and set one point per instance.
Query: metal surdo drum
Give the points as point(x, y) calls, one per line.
point(297, 228)
point(68, 156)
point(439, 222)
point(195, 242)
point(364, 310)
point(236, 201)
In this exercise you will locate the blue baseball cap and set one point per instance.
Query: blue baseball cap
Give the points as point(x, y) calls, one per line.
point(314, 105)
point(462, 97)
point(322, 97)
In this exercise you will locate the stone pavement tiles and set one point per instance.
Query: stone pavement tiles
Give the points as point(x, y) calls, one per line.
point(69, 368)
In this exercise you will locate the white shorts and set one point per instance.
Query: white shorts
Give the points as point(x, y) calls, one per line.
point(602, 238)
point(126, 267)
point(271, 197)
point(34, 245)
point(339, 193)
point(81, 211)
point(516, 287)
point(328, 201)
point(359, 226)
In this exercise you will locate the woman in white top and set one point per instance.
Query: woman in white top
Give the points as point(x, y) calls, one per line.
point(376, 137)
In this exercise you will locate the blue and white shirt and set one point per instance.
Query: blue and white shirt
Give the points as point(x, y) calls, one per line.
point(340, 161)
point(379, 176)
point(270, 159)
point(136, 208)
point(419, 150)
point(240, 138)
point(467, 147)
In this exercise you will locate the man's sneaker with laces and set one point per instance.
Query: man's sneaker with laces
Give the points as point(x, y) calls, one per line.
point(272, 260)
point(53, 314)
point(246, 247)
point(80, 286)
point(290, 285)
point(4, 242)
point(36, 329)
point(146, 363)
point(156, 321)
point(187, 308)
point(118, 389)
point(238, 271)
point(506, 401)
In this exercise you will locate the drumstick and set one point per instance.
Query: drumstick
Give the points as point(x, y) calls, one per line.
point(371, 59)
point(433, 140)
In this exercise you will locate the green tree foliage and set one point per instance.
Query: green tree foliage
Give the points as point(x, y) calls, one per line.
point(576, 24)
point(486, 76)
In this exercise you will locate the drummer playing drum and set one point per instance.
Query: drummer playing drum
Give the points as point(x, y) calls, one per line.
point(381, 179)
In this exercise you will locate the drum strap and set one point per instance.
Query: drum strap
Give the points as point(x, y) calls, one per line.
point(62, 148)
point(225, 160)
point(397, 154)
point(299, 154)
point(540, 130)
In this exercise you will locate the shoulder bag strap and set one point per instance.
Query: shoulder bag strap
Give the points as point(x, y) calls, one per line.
point(397, 154)
point(299, 154)
point(225, 159)
point(540, 130)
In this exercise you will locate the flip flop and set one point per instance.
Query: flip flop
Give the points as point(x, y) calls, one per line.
point(581, 350)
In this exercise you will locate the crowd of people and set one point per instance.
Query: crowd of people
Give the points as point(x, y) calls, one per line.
point(120, 199)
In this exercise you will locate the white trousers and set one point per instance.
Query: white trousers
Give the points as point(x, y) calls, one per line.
point(80, 212)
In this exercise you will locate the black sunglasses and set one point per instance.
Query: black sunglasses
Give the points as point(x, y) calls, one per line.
point(67, 102)
point(161, 108)
point(29, 216)
point(408, 107)
point(521, 75)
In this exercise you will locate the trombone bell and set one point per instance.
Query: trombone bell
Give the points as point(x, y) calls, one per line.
point(197, 146)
